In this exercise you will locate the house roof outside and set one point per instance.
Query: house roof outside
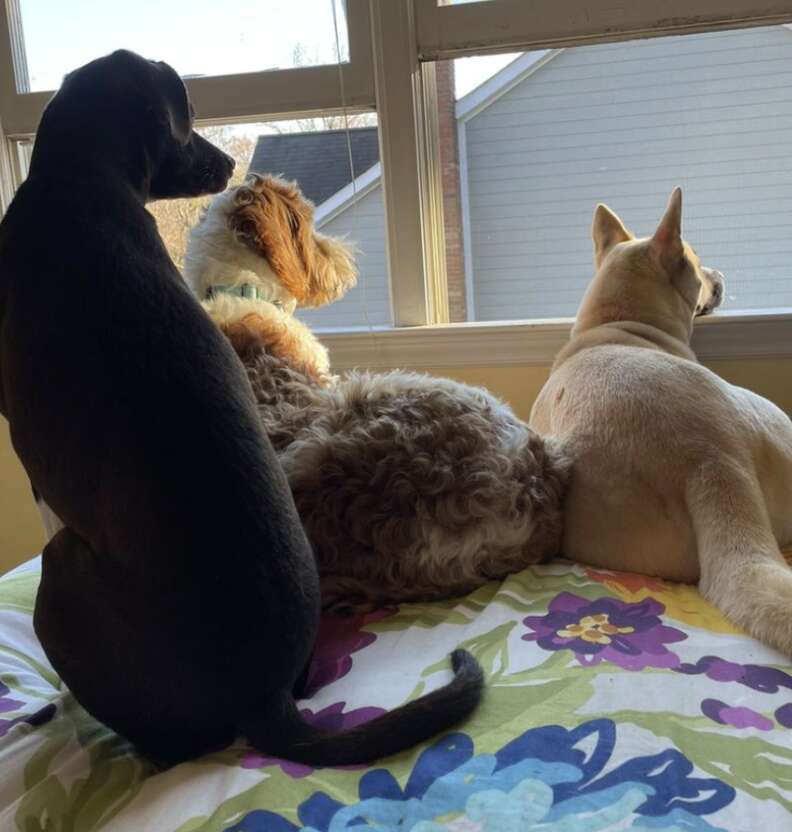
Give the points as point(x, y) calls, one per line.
point(317, 161)
point(502, 81)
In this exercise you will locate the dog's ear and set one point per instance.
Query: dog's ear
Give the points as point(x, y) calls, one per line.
point(177, 108)
point(154, 86)
point(607, 231)
point(667, 240)
point(272, 218)
point(334, 271)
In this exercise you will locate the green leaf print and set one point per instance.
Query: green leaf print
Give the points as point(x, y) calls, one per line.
point(56, 801)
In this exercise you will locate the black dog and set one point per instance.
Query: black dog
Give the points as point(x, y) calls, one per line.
point(180, 602)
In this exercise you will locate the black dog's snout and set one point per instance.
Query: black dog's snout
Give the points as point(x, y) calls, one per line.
point(230, 161)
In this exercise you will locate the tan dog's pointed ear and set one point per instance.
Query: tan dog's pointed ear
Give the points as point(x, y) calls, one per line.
point(667, 240)
point(607, 231)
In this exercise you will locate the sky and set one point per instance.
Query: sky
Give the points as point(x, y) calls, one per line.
point(196, 36)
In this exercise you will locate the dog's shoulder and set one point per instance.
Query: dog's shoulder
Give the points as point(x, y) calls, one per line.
point(624, 334)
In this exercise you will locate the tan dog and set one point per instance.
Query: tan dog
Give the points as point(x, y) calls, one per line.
point(675, 472)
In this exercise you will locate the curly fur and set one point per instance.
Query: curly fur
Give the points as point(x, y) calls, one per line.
point(252, 326)
point(409, 486)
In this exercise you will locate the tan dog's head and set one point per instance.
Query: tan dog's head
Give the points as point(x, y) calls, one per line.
point(657, 280)
point(262, 232)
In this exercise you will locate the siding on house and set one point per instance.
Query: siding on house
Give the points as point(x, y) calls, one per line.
point(368, 304)
point(622, 124)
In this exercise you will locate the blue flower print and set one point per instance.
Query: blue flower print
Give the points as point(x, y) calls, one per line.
point(549, 778)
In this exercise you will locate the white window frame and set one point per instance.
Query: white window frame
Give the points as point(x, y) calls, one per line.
point(392, 44)
point(255, 96)
point(453, 31)
point(271, 95)
point(421, 31)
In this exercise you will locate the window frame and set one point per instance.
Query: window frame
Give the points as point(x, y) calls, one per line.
point(392, 46)
point(454, 31)
point(445, 32)
point(727, 336)
point(299, 92)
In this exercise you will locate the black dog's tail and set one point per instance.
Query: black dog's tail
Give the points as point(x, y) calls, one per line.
point(288, 735)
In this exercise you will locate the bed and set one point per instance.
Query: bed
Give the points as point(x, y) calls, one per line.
point(614, 702)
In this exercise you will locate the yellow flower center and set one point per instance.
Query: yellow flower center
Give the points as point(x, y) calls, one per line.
point(594, 628)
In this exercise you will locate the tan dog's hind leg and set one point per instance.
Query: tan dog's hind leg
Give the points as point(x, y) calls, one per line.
point(743, 572)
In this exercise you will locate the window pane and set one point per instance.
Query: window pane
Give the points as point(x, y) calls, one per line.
point(197, 37)
point(530, 150)
point(316, 154)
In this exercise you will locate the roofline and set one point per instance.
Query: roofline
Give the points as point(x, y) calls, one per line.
point(501, 82)
point(468, 106)
point(348, 195)
point(303, 133)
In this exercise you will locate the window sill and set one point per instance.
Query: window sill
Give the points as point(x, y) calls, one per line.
point(724, 336)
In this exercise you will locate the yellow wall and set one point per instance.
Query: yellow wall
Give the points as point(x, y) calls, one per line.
point(21, 535)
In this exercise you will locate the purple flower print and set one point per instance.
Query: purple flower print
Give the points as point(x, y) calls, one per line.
point(339, 637)
point(331, 718)
point(738, 717)
point(40, 717)
point(763, 679)
point(6, 703)
point(783, 715)
point(629, 635)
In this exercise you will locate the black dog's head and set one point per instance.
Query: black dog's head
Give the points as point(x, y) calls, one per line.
point(125, 111)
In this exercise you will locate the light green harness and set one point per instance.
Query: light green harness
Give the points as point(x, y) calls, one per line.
point(242, 290)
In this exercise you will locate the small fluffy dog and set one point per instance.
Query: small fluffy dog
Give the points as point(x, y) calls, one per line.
point(676, 473)
point(408, 486)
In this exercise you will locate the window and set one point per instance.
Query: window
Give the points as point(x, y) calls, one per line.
point(528, 152)
point(241, 36)
point(500, 124)
point(327, 83)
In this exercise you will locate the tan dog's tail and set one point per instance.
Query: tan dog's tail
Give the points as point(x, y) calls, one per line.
point(287, 734)
point(743, 572)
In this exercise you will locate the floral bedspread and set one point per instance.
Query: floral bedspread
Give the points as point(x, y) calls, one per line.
point(614, 702)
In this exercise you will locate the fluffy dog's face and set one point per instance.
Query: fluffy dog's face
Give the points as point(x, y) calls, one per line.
point(265, 230)
point(657, 280)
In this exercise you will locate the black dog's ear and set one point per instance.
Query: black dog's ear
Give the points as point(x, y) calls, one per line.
point(177, 104)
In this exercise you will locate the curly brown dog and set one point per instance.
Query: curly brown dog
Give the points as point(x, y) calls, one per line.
point(408, 486)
